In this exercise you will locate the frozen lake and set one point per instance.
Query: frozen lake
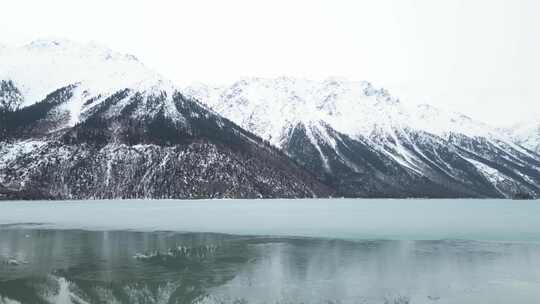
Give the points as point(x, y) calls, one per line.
point(270, 251)
point(494, 220)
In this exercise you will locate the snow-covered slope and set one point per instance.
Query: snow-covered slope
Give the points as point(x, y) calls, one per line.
point(43, 66)
point(352, 108)
point(449, 149)
point(82, 121)
point(526, 134)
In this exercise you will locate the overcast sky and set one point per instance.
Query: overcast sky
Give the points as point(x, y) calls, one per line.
point(480, 57)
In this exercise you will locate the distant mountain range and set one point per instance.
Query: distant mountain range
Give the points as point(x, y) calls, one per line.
point(364, 142)
point(82, 121)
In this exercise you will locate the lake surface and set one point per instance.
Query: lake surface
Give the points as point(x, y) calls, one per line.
point(270, 251)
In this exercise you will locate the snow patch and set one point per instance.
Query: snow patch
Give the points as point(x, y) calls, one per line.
point(9, 152)
point(493, 175)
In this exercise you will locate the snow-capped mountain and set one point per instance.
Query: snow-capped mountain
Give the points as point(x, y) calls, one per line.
point(82, 121)
point(42, 66)
point(365, 142)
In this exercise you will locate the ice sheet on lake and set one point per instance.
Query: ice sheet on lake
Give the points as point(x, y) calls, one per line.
point(496, 220)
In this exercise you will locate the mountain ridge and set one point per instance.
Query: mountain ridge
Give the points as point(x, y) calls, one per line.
point(82, 121)
point(449, 149)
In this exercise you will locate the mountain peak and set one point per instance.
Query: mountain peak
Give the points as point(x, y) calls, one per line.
point(44, 65)
point(66, 46)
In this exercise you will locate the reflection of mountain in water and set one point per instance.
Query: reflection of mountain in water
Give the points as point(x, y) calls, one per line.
point(55, 289)
point(105, 267)
point(132, 267)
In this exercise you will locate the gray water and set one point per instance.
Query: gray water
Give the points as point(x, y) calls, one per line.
point(280, 251)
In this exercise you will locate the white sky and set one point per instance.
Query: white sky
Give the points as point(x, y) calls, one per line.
point(480, 57)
